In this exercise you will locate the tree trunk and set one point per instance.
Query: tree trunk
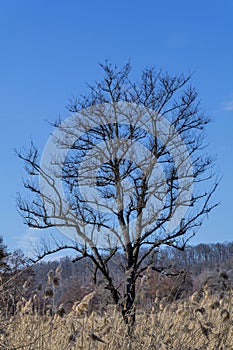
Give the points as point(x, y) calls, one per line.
point(128, 310)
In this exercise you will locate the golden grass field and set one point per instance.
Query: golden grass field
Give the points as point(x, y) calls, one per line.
point(201, 321)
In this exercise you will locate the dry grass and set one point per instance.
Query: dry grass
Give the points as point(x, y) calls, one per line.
point(202, 321)
point(199, 322)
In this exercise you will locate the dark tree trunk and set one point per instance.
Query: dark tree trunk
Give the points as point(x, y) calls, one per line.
point(128, 310)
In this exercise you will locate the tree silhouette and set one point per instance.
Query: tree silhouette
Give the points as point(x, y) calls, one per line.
point(126, 172)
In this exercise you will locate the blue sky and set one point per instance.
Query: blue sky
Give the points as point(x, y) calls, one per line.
point(50, 49)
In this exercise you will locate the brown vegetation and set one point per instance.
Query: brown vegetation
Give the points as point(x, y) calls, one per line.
point(57, 306)
point(202, 320)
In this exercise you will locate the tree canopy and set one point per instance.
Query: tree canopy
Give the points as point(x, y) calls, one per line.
point(126, 171)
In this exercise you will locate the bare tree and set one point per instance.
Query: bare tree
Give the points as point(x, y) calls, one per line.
point(125, 173)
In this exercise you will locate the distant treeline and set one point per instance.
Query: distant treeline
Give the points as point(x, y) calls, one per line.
point(194, 259)
point(197, 265)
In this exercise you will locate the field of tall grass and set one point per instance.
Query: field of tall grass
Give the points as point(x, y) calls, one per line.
point(201, 321)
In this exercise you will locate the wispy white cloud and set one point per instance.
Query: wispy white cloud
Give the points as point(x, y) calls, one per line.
point(28, 241)
point(229, 105)
point(33, 240)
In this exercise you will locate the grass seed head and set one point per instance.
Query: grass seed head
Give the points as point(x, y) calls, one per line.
point(58, 270)
point(56, 281)
point(225, 315)
point(48, 292)
point(50, 276)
